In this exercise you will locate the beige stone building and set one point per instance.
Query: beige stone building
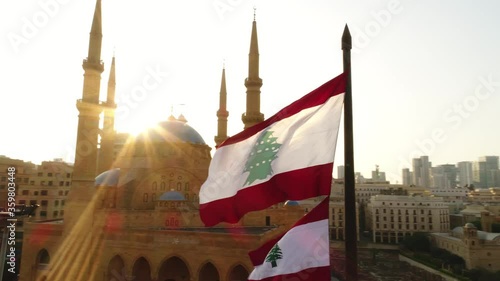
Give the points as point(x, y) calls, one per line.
point(139, 219)
point(485, 195)
point(391, 217)
point(23, 172)
point(479, 249)
point(337, 220)
point(48, 187)
point(364, 191)
point(455, 197)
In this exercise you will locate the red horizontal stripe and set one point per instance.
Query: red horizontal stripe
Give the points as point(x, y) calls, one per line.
point(319, 96)
point(320, 212)
point(311, 274)
point(293, 185)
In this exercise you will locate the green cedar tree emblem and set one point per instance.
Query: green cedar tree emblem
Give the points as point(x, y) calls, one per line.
point(274, 255)
point(261, 156)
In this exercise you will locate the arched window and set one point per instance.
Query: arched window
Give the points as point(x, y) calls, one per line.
point(155, 186)
point(43, 259)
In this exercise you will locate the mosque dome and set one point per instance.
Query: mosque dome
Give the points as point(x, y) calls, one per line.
point(108, 178)
point(172, 196)
point(172, 130)
point(469, 225)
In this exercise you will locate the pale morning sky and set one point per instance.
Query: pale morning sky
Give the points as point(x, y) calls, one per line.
point(426, 74)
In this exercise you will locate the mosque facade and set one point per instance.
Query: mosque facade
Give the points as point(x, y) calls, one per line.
point(132, 212)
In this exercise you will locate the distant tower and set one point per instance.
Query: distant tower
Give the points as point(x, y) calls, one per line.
point(421, 171)
point(407, 177)
point(253, 83)
point(85, 167)
point(340, 172)
point(464, 173)
point(222, 113)
point(106, 150)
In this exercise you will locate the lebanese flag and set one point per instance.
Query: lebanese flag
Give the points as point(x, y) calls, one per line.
point(286, 157)
point(301, 253)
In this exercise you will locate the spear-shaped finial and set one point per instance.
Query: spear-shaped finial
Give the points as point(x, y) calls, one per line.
point(254, 12)
point(346, 39)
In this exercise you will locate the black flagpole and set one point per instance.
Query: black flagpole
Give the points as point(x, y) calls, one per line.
point(351, 250)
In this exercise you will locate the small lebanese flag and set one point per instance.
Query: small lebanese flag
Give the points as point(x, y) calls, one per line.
point(286, 157)
point(301, 253)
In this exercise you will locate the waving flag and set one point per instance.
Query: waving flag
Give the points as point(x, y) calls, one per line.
point(301, 253)
point(286, 157)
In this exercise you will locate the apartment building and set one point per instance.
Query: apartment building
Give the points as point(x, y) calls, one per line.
point(392, 217)
point(48, 186)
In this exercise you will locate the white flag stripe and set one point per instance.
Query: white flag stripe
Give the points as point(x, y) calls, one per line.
point(307, 139)
point(302, 247)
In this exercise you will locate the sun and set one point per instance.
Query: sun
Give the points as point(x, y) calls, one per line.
point(136, 124)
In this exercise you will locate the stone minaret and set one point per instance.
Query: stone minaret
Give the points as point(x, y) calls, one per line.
point(89, 108)
point(222, 113)
point(79, 240)
point(106, 150)
point(253, 83)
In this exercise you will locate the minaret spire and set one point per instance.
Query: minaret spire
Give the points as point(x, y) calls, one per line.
point(222, 113)
point(95, 41)
point(253, 83)
point(106, 151)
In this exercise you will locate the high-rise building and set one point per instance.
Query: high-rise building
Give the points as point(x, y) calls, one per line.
point(484, 172)
point(407, 177)
point(421, 171)
point(377, 175)
point(340, 172)
point(464, 173)
point(444, 176)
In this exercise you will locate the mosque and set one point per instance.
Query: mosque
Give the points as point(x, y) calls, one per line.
point(132, 211)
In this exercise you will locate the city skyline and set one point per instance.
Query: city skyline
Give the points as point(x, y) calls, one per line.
point(425, 81)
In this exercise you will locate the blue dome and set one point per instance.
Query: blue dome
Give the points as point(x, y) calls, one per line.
point(172, 131)
point(172, 196)
point(291, 203)
point(108, 178)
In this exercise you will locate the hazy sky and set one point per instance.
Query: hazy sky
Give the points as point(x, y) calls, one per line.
point(426, 74)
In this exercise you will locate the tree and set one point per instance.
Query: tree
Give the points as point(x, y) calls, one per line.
point(495, 227)
point(477, 224)
point(473, 274)
point(261, 156)
point(417, 242)
point(274, 255)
